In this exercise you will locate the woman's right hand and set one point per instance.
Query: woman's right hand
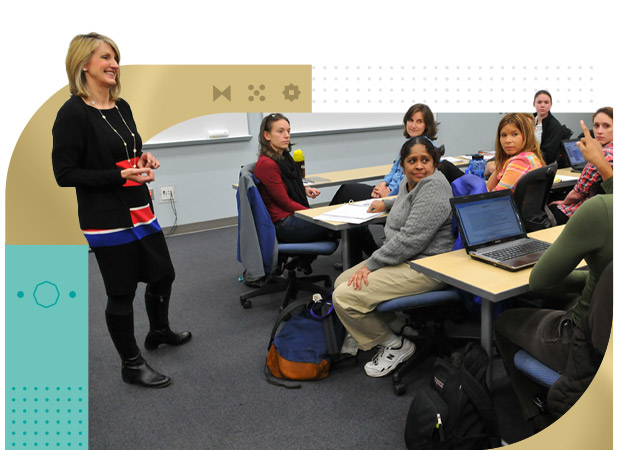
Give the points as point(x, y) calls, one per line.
point(376, 206)
point(142, 176)
point(359, 276)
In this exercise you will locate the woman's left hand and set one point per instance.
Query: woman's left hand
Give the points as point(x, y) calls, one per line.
point(571, 198)
point(359, 276)
point(149, 161)
point(311, 192)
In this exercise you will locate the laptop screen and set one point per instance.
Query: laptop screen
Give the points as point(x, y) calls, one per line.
point(488, 219)
point(573, 152)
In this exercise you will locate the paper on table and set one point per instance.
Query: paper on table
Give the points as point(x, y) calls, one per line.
point(452, 159)
point(312, 180)
point(565, 177)
point(355, 212)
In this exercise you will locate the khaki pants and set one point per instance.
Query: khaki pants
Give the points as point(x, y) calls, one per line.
point(357, 308)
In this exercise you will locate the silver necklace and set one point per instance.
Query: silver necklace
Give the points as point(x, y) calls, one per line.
point(118, 134)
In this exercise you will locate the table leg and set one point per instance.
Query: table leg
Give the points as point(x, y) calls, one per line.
point(345, 249)
point(486, 335)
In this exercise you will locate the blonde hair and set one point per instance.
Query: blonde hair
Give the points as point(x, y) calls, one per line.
point(530, 144)
point(80, 51)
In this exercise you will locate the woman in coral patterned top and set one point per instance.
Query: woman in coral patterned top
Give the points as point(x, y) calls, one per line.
point(516, 152)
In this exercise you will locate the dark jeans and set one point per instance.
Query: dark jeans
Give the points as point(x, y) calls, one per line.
point(543, 333)
point(293, 229)
point(561, 218)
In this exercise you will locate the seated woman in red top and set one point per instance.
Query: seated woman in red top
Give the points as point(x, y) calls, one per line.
point(281, 186)
point(516, 152)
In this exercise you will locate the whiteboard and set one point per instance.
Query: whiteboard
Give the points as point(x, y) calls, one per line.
point(198, 128)
point(322, 122)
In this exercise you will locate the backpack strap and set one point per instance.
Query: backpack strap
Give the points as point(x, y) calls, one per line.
point(325, 311)
point(274, 381)
point(483, 402)
point(284, 315)
point(331, 338)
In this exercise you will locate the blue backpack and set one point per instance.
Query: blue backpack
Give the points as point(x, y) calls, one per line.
point(307, 344)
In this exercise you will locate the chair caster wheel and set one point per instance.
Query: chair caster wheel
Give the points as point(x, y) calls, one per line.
point(399, 389)
point(246, 304)
point(397, 378)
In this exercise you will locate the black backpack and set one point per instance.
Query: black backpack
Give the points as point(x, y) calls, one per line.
point(455, 410)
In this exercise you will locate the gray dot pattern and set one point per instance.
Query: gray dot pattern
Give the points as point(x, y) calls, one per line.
point(453, 88)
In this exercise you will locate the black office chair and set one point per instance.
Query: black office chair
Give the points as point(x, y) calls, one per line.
point(260, 252)
point(531, 195)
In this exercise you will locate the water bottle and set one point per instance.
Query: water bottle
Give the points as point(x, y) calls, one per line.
point(298, 157)
point(477, 166)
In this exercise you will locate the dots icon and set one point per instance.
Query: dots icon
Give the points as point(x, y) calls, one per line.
point(256, 92)
point(20, 294)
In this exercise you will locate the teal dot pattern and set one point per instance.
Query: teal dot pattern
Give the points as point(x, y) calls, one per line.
point(46, 417)
point(46, 347)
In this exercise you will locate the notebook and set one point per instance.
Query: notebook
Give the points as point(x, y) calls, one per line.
point(492, 230)
point(574, 154)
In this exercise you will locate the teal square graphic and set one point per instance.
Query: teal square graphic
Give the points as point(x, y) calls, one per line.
point(46, 346)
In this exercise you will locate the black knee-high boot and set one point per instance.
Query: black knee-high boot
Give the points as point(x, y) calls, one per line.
point(135, 369)
point(160, 332)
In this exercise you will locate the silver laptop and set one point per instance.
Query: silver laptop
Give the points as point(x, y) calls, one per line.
point(492, 231)
point(574, 154)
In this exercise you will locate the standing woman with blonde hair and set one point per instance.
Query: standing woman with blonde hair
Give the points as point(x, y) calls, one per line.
point(516, 152)
point(97, 150)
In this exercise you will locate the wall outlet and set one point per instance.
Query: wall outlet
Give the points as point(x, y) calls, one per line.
point(167, 194)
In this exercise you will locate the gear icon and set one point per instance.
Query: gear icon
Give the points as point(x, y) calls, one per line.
point(291, 92)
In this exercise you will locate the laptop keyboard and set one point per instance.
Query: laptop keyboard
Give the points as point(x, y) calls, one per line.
point(518, 250)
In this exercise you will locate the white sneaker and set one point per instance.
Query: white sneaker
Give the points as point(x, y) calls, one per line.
point(388, 358)
point(350, 346)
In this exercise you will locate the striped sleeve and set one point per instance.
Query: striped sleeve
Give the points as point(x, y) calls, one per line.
point(515, 168)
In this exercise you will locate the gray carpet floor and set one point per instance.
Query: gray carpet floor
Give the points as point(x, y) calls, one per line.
point(219, 398)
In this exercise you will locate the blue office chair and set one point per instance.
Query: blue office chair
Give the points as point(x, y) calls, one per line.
point(589, 342)
point(259, 251)
point(534, 369)
point(464, 185)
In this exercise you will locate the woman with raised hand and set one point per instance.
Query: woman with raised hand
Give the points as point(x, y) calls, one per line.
point(590, 179)
point(98, 151)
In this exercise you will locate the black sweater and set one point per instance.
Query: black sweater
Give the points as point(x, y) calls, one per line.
point(84, 155)
point(551, 140)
